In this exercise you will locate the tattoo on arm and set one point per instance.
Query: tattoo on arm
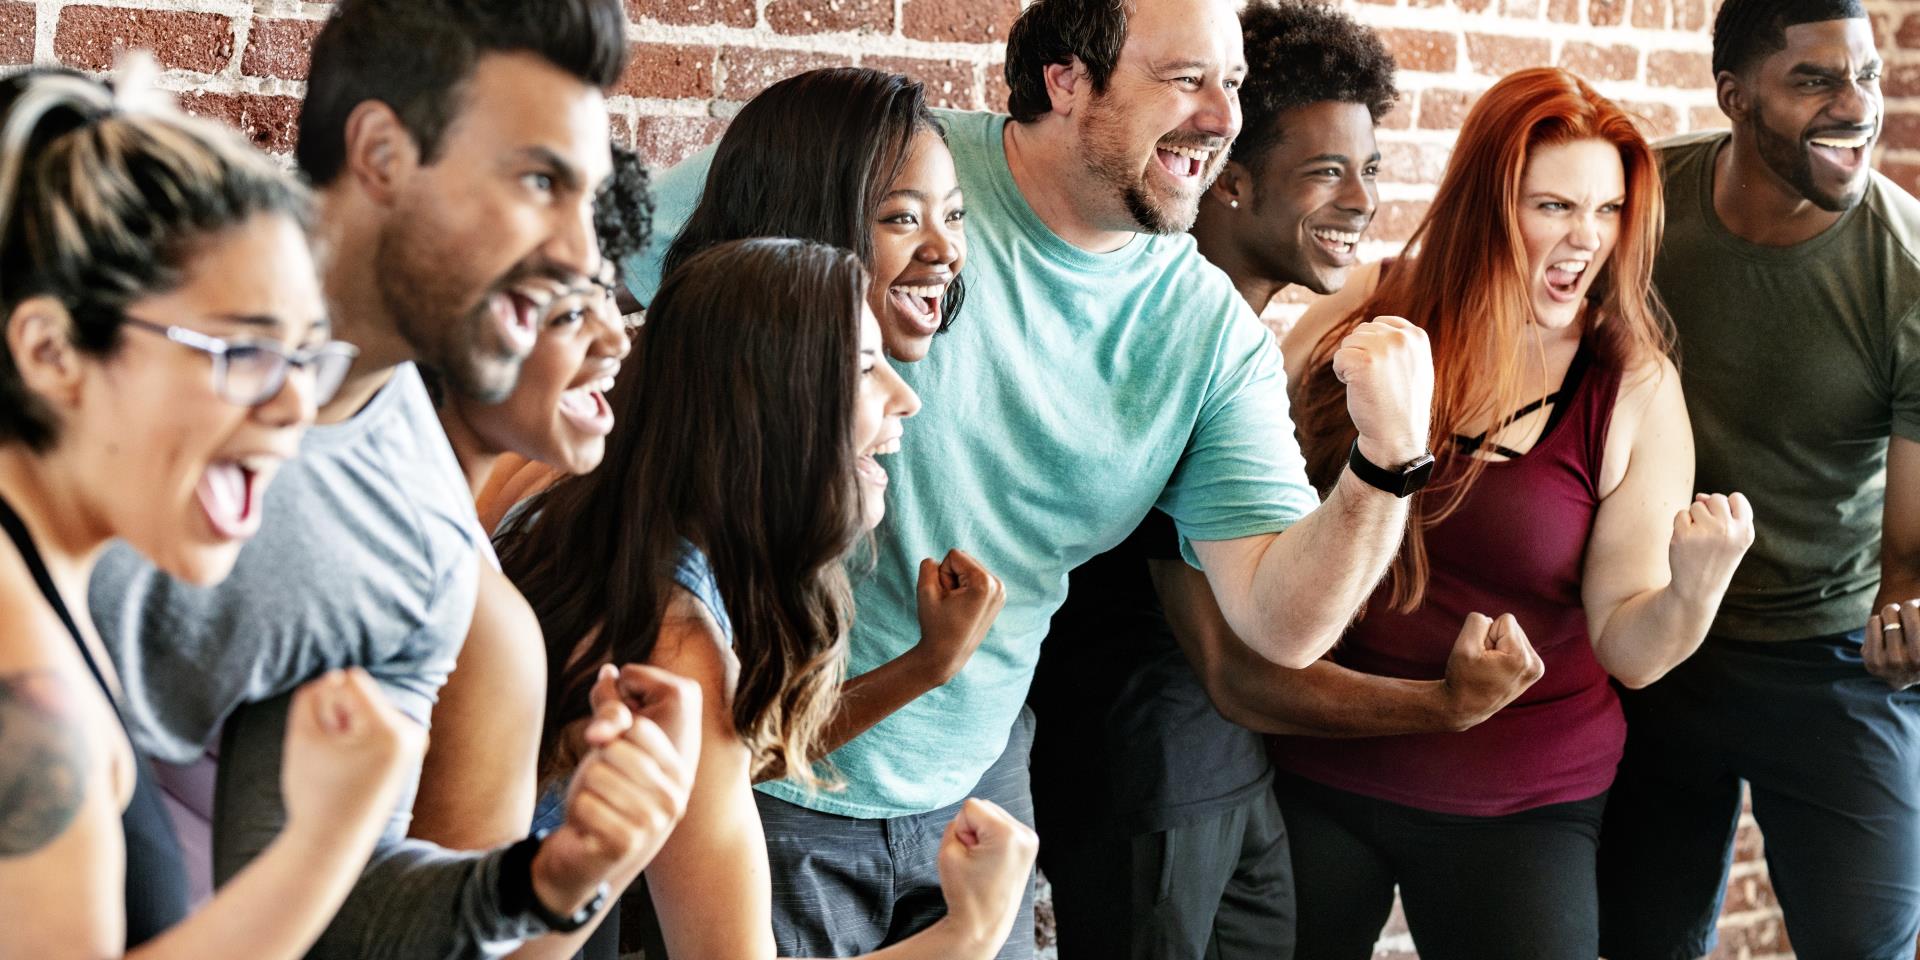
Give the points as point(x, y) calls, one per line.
point(43, 760)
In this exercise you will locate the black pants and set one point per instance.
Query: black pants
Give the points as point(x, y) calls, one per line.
point(1474, 888)
point(1219, 887)
point(1832, 757)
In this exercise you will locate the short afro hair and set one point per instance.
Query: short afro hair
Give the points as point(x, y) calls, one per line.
point(1301, 52)
point(1747, 31)
point(623, 213)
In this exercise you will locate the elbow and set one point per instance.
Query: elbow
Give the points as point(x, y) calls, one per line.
point(1295, 651)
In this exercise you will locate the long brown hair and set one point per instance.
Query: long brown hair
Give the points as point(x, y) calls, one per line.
point(735, 422)
point(1465, 281)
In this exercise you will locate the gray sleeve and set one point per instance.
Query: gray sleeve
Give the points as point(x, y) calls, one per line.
point(414, 900)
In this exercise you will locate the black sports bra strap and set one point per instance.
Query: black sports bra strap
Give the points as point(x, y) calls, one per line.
point(23, 542)
point(1561, 400)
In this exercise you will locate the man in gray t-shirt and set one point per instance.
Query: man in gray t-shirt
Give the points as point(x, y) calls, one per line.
point(456, 146)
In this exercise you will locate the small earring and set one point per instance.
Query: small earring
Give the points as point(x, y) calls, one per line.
point(1234, 204)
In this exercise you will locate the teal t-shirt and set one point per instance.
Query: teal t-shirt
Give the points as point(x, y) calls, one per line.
point(1075, 392)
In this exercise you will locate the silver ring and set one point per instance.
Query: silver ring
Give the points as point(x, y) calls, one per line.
point(1889, 627)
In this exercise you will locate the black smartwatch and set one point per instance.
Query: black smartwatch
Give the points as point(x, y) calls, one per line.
point(1401, 483)
point(518, 899)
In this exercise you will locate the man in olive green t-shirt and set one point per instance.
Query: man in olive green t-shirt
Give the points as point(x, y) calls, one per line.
point(1793, 275)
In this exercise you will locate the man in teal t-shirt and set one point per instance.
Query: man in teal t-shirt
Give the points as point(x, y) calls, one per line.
point(1102, 369)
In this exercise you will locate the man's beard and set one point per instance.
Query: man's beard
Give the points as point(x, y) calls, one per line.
point(1789, 160)
point(422, 293)
point(1102, 142)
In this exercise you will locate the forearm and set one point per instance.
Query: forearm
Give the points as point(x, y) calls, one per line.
point(945, 940)
point(869, 698)
point(1311, 578)
point(1652, 633)
point(276, 907)
point(1899, 581)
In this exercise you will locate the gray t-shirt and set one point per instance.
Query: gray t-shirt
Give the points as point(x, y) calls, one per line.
point(1798, 363)
point(366, 558)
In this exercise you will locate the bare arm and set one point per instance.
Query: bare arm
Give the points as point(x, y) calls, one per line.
point(959, 600)
point(1656, 565)
point(1491, 666)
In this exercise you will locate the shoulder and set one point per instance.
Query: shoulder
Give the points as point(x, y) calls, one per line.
point(1324, 313)
point(1895, 214)
point(1689, 147)
point(693, 645)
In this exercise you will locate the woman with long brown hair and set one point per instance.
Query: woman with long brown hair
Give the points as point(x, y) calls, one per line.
point(1559, 502)
point(711, 543)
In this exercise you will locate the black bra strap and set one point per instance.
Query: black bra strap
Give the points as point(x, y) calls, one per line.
point(1561, 400)
point(23, 542)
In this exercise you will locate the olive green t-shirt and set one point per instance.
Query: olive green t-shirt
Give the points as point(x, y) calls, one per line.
point(1798, 362)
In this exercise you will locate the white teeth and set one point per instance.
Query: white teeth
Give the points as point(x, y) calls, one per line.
point(1853, 143)
point(931, 290)
point(891, 446)
point(1337, 236)
point(1570, 266)
point(1194, 152)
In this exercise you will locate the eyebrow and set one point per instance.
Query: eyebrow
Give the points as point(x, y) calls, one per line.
point(557, 166)
point(257, 321)
point(1337, 158)
point(913, 194)
point(1829, 72)
point(1187, 64)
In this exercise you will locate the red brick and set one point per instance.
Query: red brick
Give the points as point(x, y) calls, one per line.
point(1606, 13)
point(1904, 173)
point(1427, 50)
point(1669, 68)
point(619, 131)
point(16, 33)
point(1901, 80)
point(1413, 162)
point(1444, 109)
point(1520, 9)
point(1384, 3)
point(1655, 120)
point(1497, 56)
point(1396, 219)
point(90, 37)
point(668, 71)
point(1909, 33)
point(976, 21)
point(665, 141)
point(272, 123)
point(949, 83)
point(1691, 15)
point(749, 70)
point(1617, 61)
point(830, 16)
point(1901, 131)
point(1473, 6)
point(1563, 11)
point(731, 13)
point(280, 48)
point(1707, 118)
point(997, 90)
point(1650, 13)
point(1749, 893)
point(1401, 116)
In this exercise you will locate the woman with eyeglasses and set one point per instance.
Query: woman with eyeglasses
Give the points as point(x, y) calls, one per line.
point(165, 347)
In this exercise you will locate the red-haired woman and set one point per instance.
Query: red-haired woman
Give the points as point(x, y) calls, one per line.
point(1562, 502)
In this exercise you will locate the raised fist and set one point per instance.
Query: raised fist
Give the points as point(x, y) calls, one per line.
point(348, 752)
point(986, 862)
point(959, 600)
point(1709, 538)
point(1388, 369)
point(1491, 664)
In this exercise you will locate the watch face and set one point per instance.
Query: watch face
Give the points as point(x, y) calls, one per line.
point(1418, 473)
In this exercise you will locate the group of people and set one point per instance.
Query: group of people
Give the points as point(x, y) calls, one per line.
point(787, 549)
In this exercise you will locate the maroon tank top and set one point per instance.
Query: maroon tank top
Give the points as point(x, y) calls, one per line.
point(1517, 545)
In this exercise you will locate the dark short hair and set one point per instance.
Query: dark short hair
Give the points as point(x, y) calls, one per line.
point(1301, 52)
point(414, 56)
point(623, 213)
point(101, 206)
point(1055, 32)
point(1748, 31)
point(812, 157)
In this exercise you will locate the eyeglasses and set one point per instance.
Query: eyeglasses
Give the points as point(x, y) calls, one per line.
point(250, 374)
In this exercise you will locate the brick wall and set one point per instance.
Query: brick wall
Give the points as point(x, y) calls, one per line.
point(695, 61)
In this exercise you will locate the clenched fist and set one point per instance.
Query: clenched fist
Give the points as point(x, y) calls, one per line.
point(1388, 369)
point(630, 790)
point(1491, 665)
point(986, 862)
point(347, 754)
point(959, 600)
point(1709, 538)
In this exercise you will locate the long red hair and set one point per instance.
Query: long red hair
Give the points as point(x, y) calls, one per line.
point(1465, 280)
